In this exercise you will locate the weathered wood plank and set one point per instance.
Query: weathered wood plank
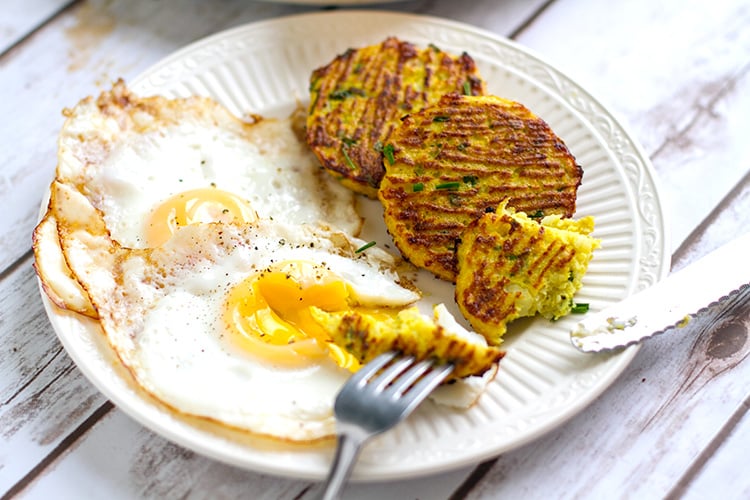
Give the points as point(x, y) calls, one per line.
point(721, 225)
point(729, 448)
point(140, 464)
point(21, 17)
point(678, 73)
point(726, 457)
point(44, 397)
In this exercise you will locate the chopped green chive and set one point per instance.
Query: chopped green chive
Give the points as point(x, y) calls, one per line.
point(470, 179)
point(314, 103)
point(448, 185)
point(441, 118)
point(348, 159)
point(364, 247)
point(537, 215)
point(467, 88)
point(341, 94)
point(580, 308)
point(417, 187)
point(388, 152)
point(348, 141)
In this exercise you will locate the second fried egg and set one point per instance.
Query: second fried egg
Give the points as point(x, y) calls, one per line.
point(215, 322)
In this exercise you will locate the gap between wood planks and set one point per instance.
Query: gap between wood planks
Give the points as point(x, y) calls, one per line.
point(695, 236)
point(13, 266)
point(41, 25)
point(679, 489)
point(533, 17)
point(61, 448)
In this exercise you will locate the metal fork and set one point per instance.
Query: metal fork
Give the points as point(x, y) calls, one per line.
point(367, 406)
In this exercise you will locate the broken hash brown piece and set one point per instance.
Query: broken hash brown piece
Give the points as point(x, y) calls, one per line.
point(511, 265)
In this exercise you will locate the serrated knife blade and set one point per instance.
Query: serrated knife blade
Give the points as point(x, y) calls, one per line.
point(671, 303)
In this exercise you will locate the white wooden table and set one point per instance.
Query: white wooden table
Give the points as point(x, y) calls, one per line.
point(674, 424)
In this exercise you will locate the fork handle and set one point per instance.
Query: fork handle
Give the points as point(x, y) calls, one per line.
point(347, 450)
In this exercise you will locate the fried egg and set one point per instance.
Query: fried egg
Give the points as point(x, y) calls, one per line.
point(152, 164)
point(215, 322)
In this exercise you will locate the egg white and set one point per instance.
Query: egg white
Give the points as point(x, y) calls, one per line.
point(129, 154)
point(161, 311)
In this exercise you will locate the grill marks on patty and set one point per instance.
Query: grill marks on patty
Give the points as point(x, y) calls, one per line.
point(456, 160)
point(358, 98)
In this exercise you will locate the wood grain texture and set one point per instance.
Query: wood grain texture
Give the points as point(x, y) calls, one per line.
point(143, 465)
point(44, 397)
point(677, 72)
point(725, 458)
point(728, 220)
point(22, 17)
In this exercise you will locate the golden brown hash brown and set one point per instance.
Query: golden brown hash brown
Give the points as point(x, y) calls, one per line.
point(357, 99)
point(448, 164)
point(512, 266)
point(366, 336)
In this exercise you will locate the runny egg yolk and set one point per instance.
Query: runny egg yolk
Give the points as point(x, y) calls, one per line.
point(268, 314)
point(196, 206)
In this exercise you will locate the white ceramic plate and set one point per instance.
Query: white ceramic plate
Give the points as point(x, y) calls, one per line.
point(263, 68)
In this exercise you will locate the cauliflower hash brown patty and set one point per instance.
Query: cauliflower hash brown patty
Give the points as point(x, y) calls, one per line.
point(449, 163)
point(360, 96)
point(512, 266)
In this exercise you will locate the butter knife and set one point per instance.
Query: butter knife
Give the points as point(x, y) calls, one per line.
point(670, 304)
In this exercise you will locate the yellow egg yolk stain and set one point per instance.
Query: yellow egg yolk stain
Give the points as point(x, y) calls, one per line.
point(268, 314)
point(195, 206)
